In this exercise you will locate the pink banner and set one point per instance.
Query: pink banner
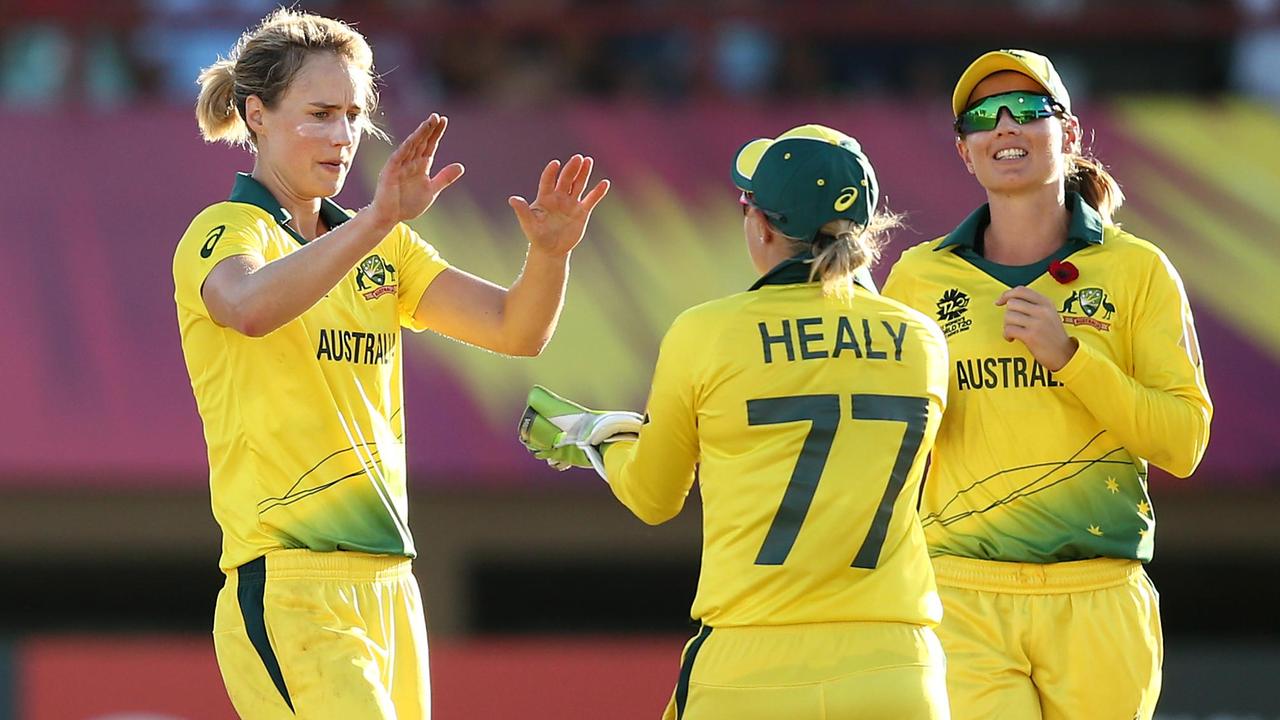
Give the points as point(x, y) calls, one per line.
point(97, 392)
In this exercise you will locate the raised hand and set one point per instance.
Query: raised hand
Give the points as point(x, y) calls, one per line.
point(406, 187)
point(556, 220)
point(1033, 319)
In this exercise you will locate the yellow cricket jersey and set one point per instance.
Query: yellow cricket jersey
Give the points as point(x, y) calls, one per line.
point(808, 421)
point(1039, 466)
point(305, 426)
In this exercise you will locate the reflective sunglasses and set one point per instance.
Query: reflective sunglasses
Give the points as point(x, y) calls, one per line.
point(1023, 107)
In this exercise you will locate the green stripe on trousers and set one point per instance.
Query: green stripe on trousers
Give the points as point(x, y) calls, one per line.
point(251, 586)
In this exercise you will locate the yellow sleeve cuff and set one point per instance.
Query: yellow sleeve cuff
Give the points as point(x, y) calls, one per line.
point(616, 454)
point(1084, 358)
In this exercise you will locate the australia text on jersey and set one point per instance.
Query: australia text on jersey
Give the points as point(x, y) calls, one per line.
point(990, 373)
point(355, 346)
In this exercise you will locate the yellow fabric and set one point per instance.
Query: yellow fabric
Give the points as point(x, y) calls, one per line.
point(1037, 466)
point(714, 364)
point(348, 632)
point(821, 671)
point(1056, 641)
point(305, 426)
point(1033, 65)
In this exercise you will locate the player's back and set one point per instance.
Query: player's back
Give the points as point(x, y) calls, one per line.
point(814, 418)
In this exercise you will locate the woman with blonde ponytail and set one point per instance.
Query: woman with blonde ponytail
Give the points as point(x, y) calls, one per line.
point(806, 407)
point(1075, 365)
point(216, 112)
point(290, 310)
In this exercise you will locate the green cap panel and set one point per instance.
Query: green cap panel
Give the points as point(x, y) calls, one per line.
point(807, 177)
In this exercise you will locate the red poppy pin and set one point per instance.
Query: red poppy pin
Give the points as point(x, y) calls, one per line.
point(1063, 272)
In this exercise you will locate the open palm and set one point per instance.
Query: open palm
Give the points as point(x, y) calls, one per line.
point(556, 220)
point(406, 187)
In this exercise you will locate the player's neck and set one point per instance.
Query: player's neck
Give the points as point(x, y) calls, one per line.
point(304, 213)
point(1027, 227)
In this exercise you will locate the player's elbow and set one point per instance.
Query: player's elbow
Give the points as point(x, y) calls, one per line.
point(252, 328)
point(652, 511)
point(251, 322)
point(655, 510)
point(517, 344)
point(1181, 462)
point(655, 515)
point(527, 348)
point(238, 311)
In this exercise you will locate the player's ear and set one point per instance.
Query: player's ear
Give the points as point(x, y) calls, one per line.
point(756, 225)
point(962, 149)
point(769, 236)
point(1071, 135)
point(253, 111)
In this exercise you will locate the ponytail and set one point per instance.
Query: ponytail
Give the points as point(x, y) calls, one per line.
point(1089, 177)
point(843, 247)
point(216, 110)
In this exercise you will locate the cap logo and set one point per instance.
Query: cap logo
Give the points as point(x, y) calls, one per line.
point(848, 196)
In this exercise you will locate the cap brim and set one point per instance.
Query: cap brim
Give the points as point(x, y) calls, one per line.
point(989, 64)
point(747, 160)
point(749, 155)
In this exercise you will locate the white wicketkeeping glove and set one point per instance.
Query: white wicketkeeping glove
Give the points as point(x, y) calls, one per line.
point(566, 434)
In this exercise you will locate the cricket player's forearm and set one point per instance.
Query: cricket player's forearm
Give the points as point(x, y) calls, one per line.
point(1168, 427)
point(255, 298)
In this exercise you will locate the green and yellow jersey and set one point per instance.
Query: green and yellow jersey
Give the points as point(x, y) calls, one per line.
point(807, 421)
point(305, 426)
point(1039, 466)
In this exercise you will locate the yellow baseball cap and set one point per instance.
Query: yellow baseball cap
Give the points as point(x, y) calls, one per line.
point(1033, 65)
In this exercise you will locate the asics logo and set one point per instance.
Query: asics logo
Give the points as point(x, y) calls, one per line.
point(211, 240)
point(848, 195)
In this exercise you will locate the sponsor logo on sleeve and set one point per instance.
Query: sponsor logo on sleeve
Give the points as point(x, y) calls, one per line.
point(211, 241)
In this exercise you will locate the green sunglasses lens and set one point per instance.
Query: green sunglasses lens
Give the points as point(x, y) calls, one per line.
point(1023, 107)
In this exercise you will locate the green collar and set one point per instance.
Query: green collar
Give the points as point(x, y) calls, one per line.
point(251, 192)
point(1085, 230)
point(792, 271)
point(1085, 226)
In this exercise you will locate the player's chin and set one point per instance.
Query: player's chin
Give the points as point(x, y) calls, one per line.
point(328, 182)
point(1013, 181)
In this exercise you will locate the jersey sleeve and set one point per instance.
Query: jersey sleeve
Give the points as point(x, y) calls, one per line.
point(420, 265)
point(652, 476)
point(1161, 412)
point(215, 235)
point(898, 284)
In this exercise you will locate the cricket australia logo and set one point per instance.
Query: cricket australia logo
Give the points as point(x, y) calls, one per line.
point(1090, 302)
point(952, 307)
point(376, 274)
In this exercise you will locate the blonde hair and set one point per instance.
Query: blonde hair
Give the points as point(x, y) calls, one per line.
point(1088, 176)
point(843, 247)
point(265, 60)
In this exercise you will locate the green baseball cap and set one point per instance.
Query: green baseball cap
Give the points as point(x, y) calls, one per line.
point(807, 177)
point(1033, 65)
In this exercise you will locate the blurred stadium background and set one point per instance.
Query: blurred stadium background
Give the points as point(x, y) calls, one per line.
point(545, 598)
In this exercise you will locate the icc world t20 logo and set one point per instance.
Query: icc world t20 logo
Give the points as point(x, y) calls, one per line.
point(1090, 300)
point(376, 273)
point(952, 307)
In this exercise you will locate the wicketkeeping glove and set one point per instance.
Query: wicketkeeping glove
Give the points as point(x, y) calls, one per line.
point(566, 434)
